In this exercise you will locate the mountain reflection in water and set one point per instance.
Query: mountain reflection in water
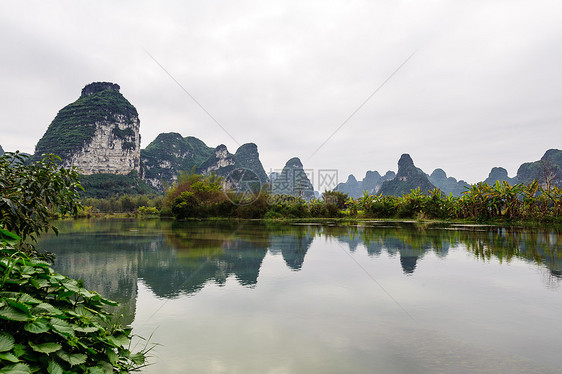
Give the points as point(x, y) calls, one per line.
point(175, 258)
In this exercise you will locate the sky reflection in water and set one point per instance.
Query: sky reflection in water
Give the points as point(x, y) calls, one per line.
point(381, 298)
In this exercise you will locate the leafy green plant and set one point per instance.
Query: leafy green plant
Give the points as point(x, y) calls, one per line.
point(31, 192)
point(50, 323)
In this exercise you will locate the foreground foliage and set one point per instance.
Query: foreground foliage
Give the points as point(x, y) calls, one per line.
point(49, 323)
point(31, 192)
point(52, 324)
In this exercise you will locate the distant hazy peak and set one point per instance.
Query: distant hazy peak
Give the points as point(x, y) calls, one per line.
point(405, 161)
point(438, 174)
point(351, 179)
point(295, 162)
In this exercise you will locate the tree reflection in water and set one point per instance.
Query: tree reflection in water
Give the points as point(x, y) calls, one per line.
point(175, 258)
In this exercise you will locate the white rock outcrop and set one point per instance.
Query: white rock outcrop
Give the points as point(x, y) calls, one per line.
point(114, 148)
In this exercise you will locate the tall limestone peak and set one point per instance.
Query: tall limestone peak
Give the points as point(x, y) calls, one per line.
point(370, 184)
point(407, 178)
point(169, 154)
point(438, 175)
point(446, 184)
point(498, 174)
point(351, 186)
point(547, 170)
point(405, 163)
point(1, 151)
point(223, 162)
point(294, 162)
point(293, 181)
point(98, 133)
point(248, 157)
point(95, 87)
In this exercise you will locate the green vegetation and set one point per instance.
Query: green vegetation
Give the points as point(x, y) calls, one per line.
point(98, 185)
point(123, 134)
point(201, 197)
point(170, 153)
point(142, 204)
point(52, 324)
point(198, 196)
point(548, 170)
point(74, 125)
point(480, 202)
point(49, 323)
point(31, 192)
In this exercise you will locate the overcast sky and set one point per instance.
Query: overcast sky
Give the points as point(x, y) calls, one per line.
point(483, 86)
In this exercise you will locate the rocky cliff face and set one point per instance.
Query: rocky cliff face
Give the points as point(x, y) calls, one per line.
point(409, 177)
point(221, 162)
point(546, 170)
point(246, 158)
point(98, 133)
point(169, 154)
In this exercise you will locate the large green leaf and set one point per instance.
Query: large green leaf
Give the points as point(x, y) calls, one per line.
point(10, 313)
point(72, 358)
point(6, 342)
point(105, 367)
point(45, 308)
point(39, 282)
point(85, 329)
point(119, 340)
point(96, 370)
point(9, 356)
point(19, 350)
point(54, 368)
point(70, 284)
point(38, 326)
point(112, 356)
point(20, 306)
point(82, 311)
point(8, 237)
point(16, 369)
point(28, 270)
point(28, 299)
point(62, 327)
point(45, 347)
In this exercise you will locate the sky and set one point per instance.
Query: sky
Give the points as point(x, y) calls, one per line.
point(343, 85)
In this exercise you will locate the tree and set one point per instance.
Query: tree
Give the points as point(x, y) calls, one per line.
point(336, 198)
point(548, 174)
point(31, 192)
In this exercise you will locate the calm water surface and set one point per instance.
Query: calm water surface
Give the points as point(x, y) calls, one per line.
point(378, 298)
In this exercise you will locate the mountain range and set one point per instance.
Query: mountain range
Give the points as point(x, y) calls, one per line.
point(99, 133)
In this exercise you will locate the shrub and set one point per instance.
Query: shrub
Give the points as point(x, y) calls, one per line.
point(32, 191)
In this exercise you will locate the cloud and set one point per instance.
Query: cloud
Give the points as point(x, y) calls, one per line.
point(482, 90)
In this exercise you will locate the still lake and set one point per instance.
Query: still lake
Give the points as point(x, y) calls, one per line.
point(379, 297)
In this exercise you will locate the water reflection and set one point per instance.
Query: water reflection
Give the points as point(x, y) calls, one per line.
point(175, 258)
